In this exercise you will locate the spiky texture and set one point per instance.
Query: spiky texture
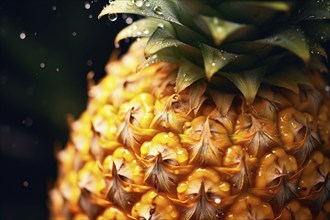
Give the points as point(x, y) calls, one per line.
point(174, 136)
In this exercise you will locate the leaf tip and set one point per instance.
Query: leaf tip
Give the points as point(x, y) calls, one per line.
point(105, 10)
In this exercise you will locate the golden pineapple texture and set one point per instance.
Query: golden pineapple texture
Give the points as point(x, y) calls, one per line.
point(143, 151)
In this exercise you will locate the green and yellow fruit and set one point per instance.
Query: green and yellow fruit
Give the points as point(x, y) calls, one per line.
point(220, 110)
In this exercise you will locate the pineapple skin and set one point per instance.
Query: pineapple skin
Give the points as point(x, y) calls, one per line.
point(142, 151)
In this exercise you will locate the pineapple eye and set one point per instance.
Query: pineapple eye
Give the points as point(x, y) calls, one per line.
point(317, 187)
point(172, 162)
point(275, 182)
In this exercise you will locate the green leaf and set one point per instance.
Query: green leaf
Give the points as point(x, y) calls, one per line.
point(247, 82)
point(188, 74)
point(160, 39)
point(168, 55)
point(318, 50)
point(288, 77)
point(274, 5)
point(252, 12)
point(220, 29)
point(165, 10)
point(312, 10)
point(142, 28)
point(291, 39)
point(215, 59)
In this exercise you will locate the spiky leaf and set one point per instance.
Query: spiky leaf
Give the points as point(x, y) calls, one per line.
point(247, 82)
point(220, 29)
point(188, 74)
point(165, 10)
point(289, 78)
point(252, 12)
point(142, 28)
point(291, 39)
point(215, 59)
point(161, 39)
point(168, 55)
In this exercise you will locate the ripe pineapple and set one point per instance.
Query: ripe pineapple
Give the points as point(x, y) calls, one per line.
point(219, 110)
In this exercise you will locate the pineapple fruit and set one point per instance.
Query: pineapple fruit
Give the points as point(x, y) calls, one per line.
point(219, 110)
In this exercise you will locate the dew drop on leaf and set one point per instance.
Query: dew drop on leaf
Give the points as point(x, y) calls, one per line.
point(147, 3)
point(42, 65)
point(138, 3)
point(112, 17)
point(158, 10)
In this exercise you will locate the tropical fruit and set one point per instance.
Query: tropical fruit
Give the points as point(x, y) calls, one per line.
point(219, 110)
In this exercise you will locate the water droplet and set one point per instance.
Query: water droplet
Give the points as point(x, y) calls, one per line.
point(158, 10)
point(147, 3)
point(89, 62)
point(22, 35)
point(74, 34)
point(90, 16)
point(112, 17)
point(57, 69)
point(28, 122)
point(42, 65)
point(129, 20)
point(276, 38)
point(87, 5)
point(327, 88)
point(146, 32)
point(217, 200)
point(138, 3)
point(25, 183)
point(54, 8)
point(110, 1)
point(213, 64)
point(161, 25)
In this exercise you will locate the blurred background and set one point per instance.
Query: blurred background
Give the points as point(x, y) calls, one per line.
point(47, 48)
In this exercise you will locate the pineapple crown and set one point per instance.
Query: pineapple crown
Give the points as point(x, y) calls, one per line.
point(242, 42)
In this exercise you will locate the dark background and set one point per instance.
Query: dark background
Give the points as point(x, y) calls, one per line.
point(47, 49)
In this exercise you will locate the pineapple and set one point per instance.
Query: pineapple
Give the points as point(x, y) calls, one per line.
point(219, 110)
